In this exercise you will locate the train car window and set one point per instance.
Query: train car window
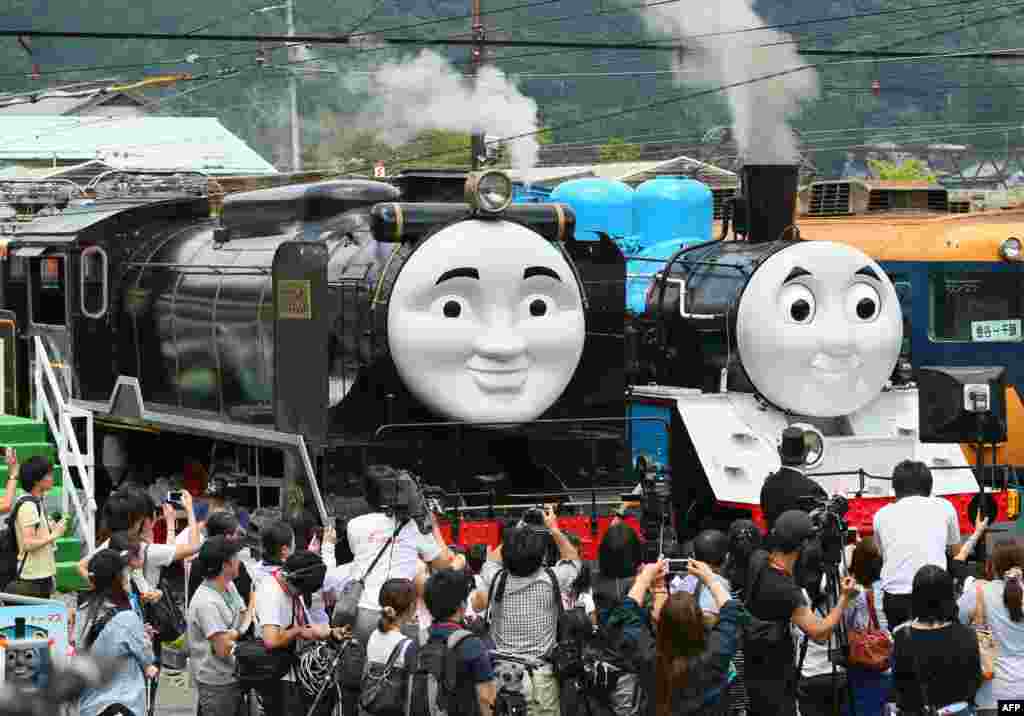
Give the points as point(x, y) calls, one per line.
point(19, 268)
point(94, 282)
point(901, 282)
point(48, 291)
point(975, 306)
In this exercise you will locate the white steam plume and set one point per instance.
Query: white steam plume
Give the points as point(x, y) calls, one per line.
point(408, 97)
point(760, 109)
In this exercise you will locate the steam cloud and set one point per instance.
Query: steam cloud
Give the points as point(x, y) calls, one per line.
point(759, 109)
point(426, 92)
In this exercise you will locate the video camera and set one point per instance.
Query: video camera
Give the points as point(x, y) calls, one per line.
point(828, 517)
point(402, 494)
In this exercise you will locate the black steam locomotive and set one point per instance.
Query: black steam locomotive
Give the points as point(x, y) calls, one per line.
point(312, 329)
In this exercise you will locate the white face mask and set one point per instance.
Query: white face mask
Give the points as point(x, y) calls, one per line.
point(485, 322)
point(819, 329)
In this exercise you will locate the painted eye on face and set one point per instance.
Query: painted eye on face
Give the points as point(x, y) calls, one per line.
point(863, 302)
point(797, 303)
point(537, 306)
point(450, 307)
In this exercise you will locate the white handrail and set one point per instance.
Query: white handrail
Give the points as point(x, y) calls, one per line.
point(67, 443)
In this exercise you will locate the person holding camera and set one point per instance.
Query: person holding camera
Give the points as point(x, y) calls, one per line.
point(775, 601)
point(35, 533)
point(912, 532)
point(524, 599)
point(218, 616)
point(789, 488)
point(399, 546)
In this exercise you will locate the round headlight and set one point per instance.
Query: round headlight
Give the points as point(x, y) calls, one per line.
point(489, 192)
point(1011, 249)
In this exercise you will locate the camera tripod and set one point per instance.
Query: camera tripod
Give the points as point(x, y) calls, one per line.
point(837, 655)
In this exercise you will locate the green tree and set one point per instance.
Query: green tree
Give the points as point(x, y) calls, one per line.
point(436, 148)
point(907, 170)
point(617, 149)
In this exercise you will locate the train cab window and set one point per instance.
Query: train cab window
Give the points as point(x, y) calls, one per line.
point(48, 276)
point(94, 282)
point(975, 306)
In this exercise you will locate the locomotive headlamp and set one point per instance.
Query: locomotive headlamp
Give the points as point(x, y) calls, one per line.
point(489, 192)
point(813, 445)
point(1012, 250)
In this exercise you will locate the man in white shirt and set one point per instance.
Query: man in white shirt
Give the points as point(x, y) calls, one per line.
point(284, 620)
point(371, 535)
point(914, 531)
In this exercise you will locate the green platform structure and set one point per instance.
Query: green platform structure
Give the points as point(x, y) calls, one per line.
point(32, 438)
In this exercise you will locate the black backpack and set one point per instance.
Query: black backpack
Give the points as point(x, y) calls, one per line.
point(434, 688)
point(10, 568)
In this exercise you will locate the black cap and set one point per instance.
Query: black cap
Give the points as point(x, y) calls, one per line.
point(305, 571)
point(791, 529)
point(105, 566)
point(793, 450)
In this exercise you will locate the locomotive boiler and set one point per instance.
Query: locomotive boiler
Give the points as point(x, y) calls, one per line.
point(741, 338)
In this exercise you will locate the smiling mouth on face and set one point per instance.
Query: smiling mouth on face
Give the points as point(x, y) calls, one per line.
point(498, 377)
point(834, 368)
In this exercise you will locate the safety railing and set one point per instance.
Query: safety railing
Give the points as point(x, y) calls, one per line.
point(51, 403)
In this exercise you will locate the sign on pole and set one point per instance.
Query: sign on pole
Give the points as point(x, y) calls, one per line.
point(379, 172)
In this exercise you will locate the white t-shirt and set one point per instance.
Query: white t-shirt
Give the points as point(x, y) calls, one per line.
point(367, 534)
point(275, 607)
point(156, 557)
point(912, 533)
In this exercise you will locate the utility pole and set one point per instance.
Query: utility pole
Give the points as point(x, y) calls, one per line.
point(477, 145)
point(293, 90)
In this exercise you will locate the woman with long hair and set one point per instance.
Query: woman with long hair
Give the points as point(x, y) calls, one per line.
point(1002, 603)
point(398, 606)
point(691, 664)
point(111, 628)
point(870, 688)
point(935, 657)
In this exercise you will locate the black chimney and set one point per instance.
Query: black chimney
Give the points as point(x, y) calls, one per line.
point(770, 194)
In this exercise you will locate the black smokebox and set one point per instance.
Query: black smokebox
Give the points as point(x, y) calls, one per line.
point(770, 196)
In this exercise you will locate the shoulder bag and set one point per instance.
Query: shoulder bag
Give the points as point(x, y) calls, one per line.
point(870, 648)
point(346, 608)
point(385, 686)
point(10, 565)
point(987, 647)
point(762, 633)
point(254, 662)
point(163, 614)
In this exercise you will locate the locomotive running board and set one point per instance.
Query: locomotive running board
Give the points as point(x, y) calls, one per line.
point(126, 406)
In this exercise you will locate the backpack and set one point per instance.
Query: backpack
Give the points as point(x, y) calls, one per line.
point(434, 690)
point(10, 568)
point(97, 626)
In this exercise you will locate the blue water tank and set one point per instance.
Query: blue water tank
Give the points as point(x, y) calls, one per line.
point(672, 208)
point(603, 205)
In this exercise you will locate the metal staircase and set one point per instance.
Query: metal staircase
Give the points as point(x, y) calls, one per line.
point(75, 485)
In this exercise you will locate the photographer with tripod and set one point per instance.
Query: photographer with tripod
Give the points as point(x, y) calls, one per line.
point(387, 543)
point(775, 601)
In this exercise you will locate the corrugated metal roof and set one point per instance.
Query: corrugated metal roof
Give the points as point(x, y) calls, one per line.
point(623, 171)
point(181, 143)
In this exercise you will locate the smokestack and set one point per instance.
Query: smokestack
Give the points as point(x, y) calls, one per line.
point(769, 192)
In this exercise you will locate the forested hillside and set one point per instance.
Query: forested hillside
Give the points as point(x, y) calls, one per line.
point(960, 101)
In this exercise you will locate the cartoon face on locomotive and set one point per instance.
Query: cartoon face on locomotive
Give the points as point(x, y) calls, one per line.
point(813, 328)
point(331, 309)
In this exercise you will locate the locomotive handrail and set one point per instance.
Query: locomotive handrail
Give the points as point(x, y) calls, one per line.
point(863, 475)
point(65, 437)
point(514, 423)
point(214, 269)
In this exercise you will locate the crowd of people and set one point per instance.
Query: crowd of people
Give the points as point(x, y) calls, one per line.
point(737, 621)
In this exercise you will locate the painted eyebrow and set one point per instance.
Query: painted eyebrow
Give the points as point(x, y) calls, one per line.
point(796, 273)
point(458, 273)
point(867, 271)
point(540, 271)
